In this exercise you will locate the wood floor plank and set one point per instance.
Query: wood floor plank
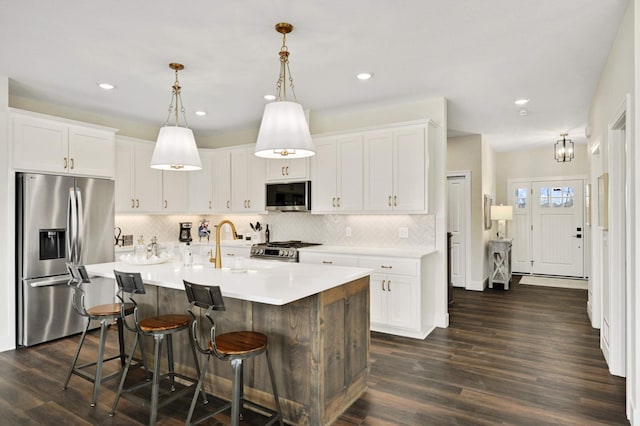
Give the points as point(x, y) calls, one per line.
point(526, 356)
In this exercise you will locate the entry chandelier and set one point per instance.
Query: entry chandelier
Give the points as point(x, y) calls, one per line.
point(284, 132)
point(176, 147)
point(564, 149)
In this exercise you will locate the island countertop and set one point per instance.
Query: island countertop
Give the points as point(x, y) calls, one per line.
point(263, 281)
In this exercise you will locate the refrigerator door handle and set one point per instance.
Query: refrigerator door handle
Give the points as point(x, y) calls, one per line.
point(79, 226)
point(70, 225)
point(47, 282)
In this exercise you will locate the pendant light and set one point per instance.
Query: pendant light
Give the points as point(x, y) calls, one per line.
point(176, 147)
point(564, 149)
point(284, 132)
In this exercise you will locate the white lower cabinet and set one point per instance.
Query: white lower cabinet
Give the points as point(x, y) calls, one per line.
point(328, 259)
point(399, 299)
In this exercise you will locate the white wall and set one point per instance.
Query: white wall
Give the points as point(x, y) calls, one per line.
point(616, 81)
point(488, 187)
point(7, 293)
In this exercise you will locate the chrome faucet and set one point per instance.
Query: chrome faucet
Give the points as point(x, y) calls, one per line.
point(218, 257)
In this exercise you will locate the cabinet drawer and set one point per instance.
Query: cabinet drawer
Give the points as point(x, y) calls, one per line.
point(386, 265)
point(328, 259)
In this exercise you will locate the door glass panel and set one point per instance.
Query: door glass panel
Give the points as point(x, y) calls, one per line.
point(557, 197)
point(544, 197)
point(521, 197)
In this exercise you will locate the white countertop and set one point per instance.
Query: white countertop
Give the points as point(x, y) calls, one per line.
point(417, 252)
point(264, 281)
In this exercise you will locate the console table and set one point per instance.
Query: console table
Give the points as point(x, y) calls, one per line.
point(500, 252)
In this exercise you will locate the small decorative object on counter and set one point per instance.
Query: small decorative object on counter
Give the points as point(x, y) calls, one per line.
point(203, 229)
point(188, 255)
point(140, 250)
point(267, 234)
point(127, 240)
point(153, 248)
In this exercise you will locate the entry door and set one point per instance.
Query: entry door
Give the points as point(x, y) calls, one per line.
point(456, 224)
point(558, 225)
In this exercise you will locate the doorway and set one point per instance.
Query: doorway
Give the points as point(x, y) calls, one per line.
point(548, 226)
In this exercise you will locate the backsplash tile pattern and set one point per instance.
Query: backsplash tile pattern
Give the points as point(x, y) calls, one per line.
point(366, 230)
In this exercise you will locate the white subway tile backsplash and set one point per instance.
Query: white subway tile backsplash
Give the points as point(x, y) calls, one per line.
point(366, 230)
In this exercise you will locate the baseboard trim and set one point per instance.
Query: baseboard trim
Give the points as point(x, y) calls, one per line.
point(476, 285)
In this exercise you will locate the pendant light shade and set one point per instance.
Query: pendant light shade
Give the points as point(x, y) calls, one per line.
point(176, 147)
point(176, 150)
point(284, 131)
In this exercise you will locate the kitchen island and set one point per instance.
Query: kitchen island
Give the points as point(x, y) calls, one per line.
point(316, 318)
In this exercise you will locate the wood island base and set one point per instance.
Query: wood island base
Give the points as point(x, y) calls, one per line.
point(319, 347)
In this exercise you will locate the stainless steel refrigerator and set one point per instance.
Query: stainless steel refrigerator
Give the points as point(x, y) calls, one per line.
point(59, 219)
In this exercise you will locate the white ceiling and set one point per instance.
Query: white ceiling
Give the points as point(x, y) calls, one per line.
point(480, 55)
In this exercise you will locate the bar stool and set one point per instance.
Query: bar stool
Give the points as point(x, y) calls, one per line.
point(235, 347)
point(160, 327)
point(103, 313)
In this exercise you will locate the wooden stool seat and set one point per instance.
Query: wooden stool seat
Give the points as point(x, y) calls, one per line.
point(164, 323)
point(240, 343)
point(109, 310)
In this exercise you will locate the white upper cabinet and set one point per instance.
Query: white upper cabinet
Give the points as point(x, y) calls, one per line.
point(337, 174)
point(247, 181)
point(43, 143)
point(200, 197)
point(222, 181)
point(396, 165)
point(287, 170)
point(138, 187)
point(174, 191)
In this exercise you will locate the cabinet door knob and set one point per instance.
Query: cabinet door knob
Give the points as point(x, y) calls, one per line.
point(249, 204)
point(389, 286)
point(383, 281)
point(282, 171)
point(338, 201)
point(65, 162)
point(327, 262)
point(395, 200)
point(133, 203)
point(209, 204)
point(333, 202)
point(72, 164)
point(228, 204)
point(165, 204)
point(287, 170)
point(137, 203)
point(389, 202)
point(386, 267)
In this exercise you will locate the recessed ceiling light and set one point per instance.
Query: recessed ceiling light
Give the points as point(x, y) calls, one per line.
point(106, 86)
point(270, 97)
point(521, 102)
point(523, 111)
point(201, 113)
point(364, 76)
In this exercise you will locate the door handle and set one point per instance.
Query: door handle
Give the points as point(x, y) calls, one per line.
point(73, 164)
point(65, 162)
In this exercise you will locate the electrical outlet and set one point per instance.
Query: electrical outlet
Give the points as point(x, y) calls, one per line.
point(347, 231)
point(403, 232)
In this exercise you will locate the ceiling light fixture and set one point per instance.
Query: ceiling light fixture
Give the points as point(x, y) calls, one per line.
point(106, 86)
point(521, 102)
point(284, 131)
point(564, 149)
point(176, 147)
point(364, 76)
point(201, 113)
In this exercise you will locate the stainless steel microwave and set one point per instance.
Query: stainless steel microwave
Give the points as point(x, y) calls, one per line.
point(289, 197)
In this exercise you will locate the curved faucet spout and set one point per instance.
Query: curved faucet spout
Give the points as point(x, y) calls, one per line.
point(218, 257)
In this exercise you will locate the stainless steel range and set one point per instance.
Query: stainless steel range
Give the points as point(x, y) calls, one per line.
point(286, 251)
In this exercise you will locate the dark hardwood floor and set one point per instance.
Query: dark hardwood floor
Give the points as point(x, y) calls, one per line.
point(526, 356)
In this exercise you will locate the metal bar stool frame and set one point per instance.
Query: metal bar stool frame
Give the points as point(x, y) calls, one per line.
point(105, 314)
point(132, 284)
point(209, 299)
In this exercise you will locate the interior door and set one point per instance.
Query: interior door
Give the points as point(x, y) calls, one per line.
point(558, 225)
point(456, 224)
